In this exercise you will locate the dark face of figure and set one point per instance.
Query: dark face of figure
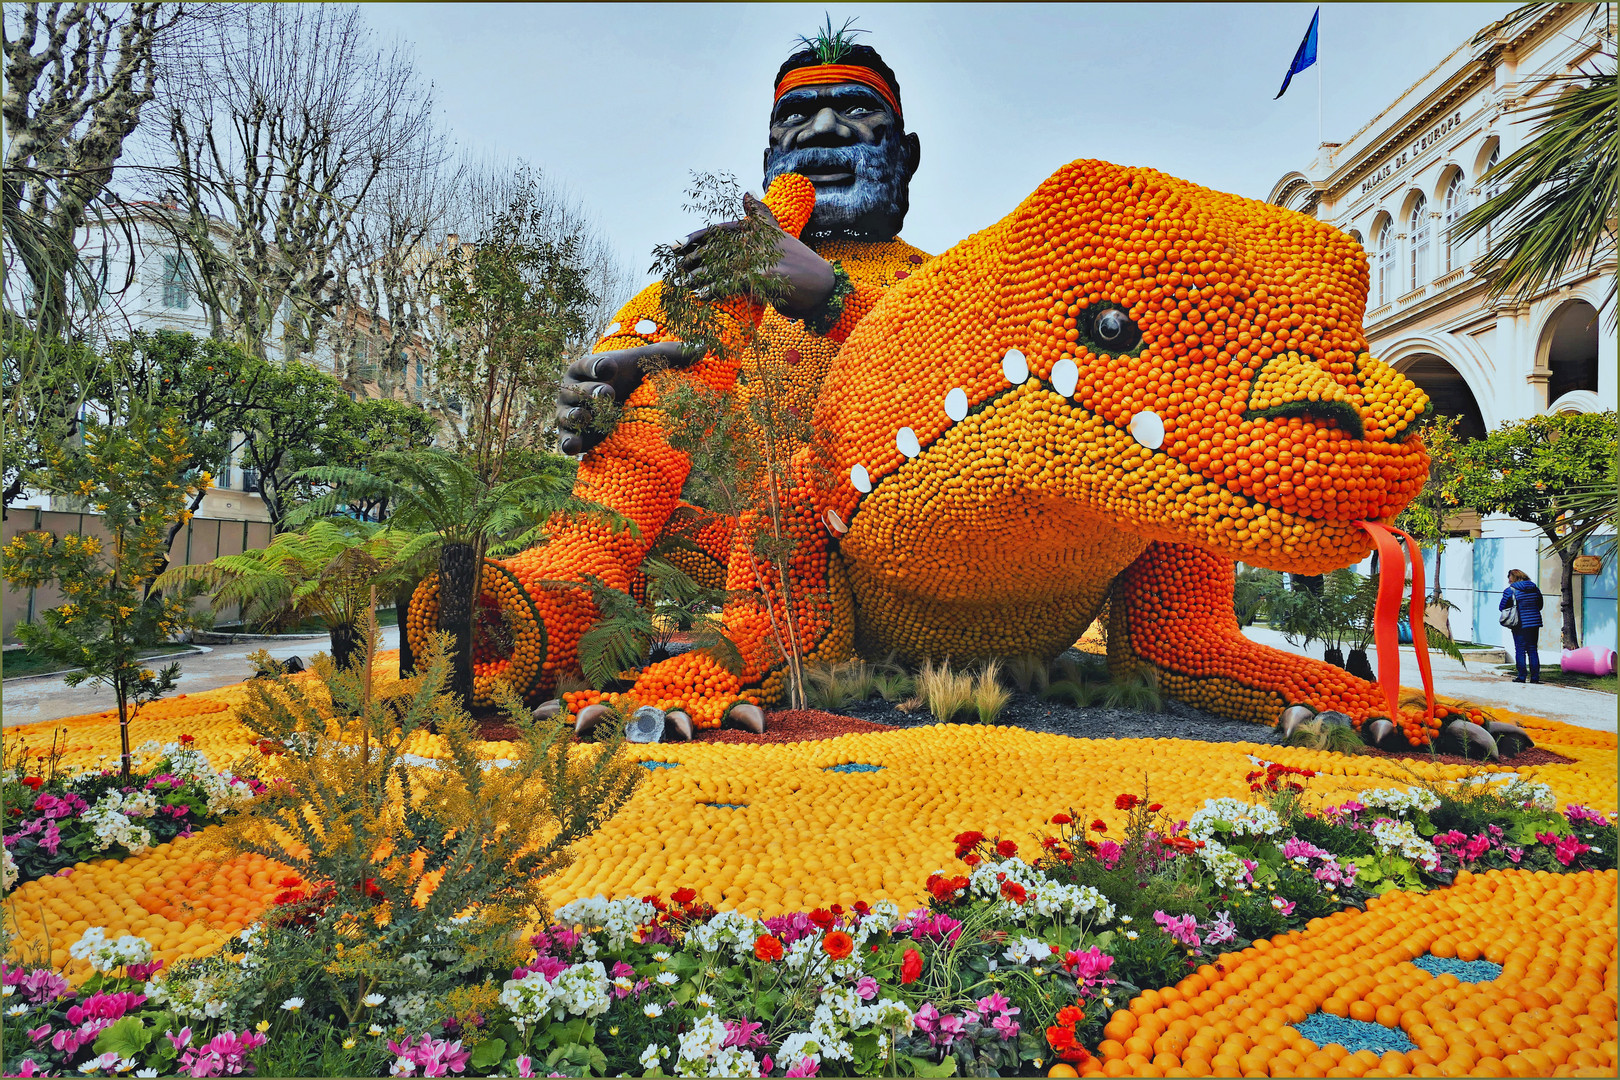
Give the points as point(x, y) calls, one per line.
point(844, 139)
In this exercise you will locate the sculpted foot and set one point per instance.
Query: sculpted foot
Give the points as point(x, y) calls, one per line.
point(677, 726)
point(748, 717)
point(548, 710)
point(588, 718)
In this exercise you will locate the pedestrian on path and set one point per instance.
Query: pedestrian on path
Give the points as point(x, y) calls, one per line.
point(1521, 608)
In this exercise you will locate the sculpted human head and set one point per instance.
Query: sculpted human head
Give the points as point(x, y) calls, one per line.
point(842, 127)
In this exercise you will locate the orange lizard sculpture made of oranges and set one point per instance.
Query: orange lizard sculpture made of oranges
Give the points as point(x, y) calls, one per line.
point(1108, 397)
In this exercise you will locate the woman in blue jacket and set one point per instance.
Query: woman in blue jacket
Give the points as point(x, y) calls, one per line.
point(1522, 593)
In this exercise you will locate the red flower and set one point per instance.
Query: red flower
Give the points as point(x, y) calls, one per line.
point(1061, 1038)
point(768, 948)
point(1126, 802)
point(838, 945)
point(969, 839)
point(270, 746)
point(1154, 808)
point(1014, 892)
point(822, 918)
point(1007, 849)
point(1049, 842)
point(1070, 1015)
point(862, 907)
point(838, 909)
point(684, 896)
point(657, 904)
point(371, 889)
point(972, 859)
point(1066, 856)
point(1061, 819)
point(34, 782)
point(1099, 826)
point(187, 740)
point(911, 965)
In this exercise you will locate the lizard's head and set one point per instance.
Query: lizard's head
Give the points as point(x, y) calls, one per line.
point(1202, 354)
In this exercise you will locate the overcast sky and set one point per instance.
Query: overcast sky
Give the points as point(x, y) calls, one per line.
point(621, 102)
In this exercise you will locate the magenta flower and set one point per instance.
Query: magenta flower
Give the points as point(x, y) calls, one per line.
point(951, 1028)
point(1089, 967)
point(927, 1018)
point(866, 988)
point(1006, 1028)
point(39, 985)
point(1108, 853)
point(1184, 928)
point(26, 1068)
point(435, 1057)
point(996, 1003)
point(525, 1066)
point(1569, 849)
point(807, 1066)
point(744, 1033)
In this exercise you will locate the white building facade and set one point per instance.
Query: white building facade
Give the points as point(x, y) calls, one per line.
point(1396, 187)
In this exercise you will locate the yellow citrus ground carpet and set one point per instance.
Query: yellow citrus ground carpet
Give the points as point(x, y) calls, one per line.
point(772, 828)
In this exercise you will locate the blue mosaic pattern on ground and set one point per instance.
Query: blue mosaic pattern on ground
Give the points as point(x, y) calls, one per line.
point(1472, 971)
point(1323, 1028)
point(852, 766)
point(727, 805)
point(661, 764)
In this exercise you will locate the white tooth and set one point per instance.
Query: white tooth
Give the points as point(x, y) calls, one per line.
point(613, 328)
point(860, 479)
point(836, 523)
point(956, 404)
point(906, 440)
point(1064, 376)
point(646, 326)
point(1148, 429)
point(1015, 367)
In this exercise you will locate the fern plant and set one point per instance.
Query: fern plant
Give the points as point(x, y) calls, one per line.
point(626, 629)
point(390, 851)
point(324, 571)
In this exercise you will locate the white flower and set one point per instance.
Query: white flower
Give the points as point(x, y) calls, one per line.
point(1401, 838)
point(704, 1000)
point(1398, 800)
point(125, 1064)
point(146, 1072)
point(374, 1030)
point(660, 956)
point(1131, 935)
point(1126, 919)
point(402, 1067)
point(373, 999)
point(625, 983)
point(652, 1010)
point(7, 990)
point(17, 1010)
point(1027, 950)
point(649, 1056)
point(1227, 815)
point(293, 1004)
point(8, 872)
point(618, 920)
point(667, 978)
point(580, 989)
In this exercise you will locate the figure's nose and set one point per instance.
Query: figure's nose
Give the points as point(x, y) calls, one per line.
point(826, 127)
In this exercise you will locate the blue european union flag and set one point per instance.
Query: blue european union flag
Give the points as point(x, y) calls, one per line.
point(1304, 57)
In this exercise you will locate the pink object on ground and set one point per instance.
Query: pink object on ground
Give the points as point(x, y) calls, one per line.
point(1588, 661)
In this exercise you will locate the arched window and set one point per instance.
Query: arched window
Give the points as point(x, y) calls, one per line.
point(1386, 261)
point(1456, 205)
point(1418, 231)
point(1355, 234)
point(1493, 185)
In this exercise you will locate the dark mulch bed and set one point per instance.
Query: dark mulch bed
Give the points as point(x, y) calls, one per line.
point(1535, 756)
point(793, 725)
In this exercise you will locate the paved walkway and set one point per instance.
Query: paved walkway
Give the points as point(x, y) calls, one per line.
point(1480, 683)
point(33, 699)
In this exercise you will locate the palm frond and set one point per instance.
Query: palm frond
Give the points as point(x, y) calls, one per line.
point(1559, 196)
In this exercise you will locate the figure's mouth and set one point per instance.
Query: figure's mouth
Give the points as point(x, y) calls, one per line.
point(828, 177)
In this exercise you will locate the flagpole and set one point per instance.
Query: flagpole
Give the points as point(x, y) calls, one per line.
point(1318, 80)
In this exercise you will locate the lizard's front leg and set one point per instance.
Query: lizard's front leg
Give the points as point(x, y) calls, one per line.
point(1172, 610)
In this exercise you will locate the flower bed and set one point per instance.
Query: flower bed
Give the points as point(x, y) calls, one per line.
point(837, 844)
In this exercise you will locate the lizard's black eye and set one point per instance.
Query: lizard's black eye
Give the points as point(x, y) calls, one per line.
point(1110, 330)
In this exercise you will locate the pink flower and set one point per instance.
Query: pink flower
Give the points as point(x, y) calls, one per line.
point(927, 1018)
point(433, 1056)
point(36, 1034)
point(1569, 849)
point(1088, 967)
point(1514, 854)
point(1476, 847)
point(996, 1003)
point(39, 985)
point(622, 970)
point(950, 1029)
point(807, 1066)
point(525, 1066)
point(866, 987)
point(1184, 929)
point(743, 1033)
point(104, 1006)
point(26, 1068)
point(1108, 853)
point(1007, 1028)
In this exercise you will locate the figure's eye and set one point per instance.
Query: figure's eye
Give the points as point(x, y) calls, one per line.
point(1110, 330)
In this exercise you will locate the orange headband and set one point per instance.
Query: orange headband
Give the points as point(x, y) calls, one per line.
point(824, 74)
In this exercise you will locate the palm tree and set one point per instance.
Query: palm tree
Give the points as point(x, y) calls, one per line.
point(453, 513)
point(1558, 192)
point(328, 571)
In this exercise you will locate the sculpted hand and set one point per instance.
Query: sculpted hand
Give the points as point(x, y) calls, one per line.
point(806, 278)
point(609, 378)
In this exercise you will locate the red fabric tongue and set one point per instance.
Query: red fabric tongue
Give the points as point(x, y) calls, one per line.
point(1392, 562)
